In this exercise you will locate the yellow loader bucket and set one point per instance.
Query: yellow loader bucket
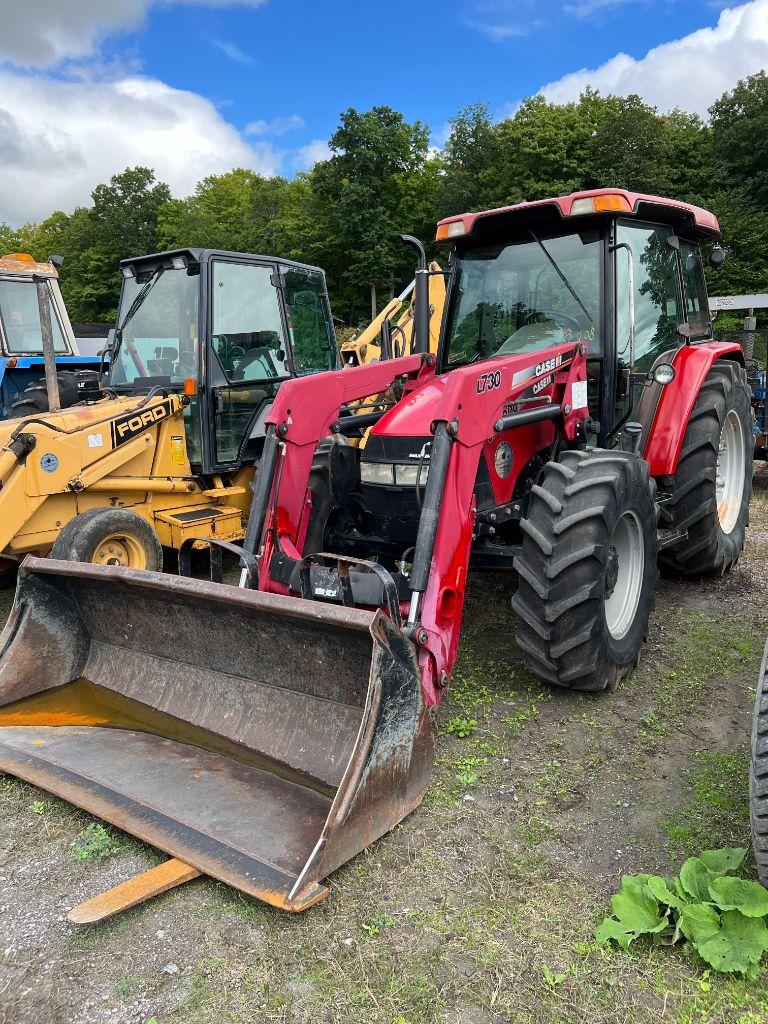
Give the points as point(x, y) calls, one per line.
point(262, 739)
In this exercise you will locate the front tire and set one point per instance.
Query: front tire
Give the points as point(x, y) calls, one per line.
point(587, 569)
point(712, 485)
point(110, 536)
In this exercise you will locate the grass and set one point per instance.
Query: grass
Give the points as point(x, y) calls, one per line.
point(95, 844)
point(716, 811)
point(482, 910)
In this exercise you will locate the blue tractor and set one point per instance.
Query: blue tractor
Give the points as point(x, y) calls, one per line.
point(25, 285)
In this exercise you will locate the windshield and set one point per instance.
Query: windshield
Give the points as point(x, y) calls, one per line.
point(157, 329)
point(525, 296)
point(20, 319)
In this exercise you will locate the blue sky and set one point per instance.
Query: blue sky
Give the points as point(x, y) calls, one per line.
point(311, 60)
point(192, 87)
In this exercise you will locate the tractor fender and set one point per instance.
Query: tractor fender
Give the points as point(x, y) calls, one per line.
point(692, 364)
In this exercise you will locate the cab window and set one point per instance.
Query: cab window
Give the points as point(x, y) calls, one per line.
point(696, 301)
point(312, 334)
point(247, 328)
point(20, 318)
point(656, 294)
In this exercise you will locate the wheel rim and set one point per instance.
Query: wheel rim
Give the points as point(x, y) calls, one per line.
point(119, 549)
point(624, 575)
point(729, 487)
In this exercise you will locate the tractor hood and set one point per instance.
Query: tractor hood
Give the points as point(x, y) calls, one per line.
point(413, 416)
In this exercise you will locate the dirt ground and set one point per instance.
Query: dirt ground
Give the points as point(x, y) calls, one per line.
point(481, 906)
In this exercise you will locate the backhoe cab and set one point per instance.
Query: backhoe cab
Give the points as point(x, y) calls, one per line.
point(225, 330)
point(579, 424)
point(165, 451)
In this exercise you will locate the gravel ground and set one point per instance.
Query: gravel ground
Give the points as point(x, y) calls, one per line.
point(481, 906)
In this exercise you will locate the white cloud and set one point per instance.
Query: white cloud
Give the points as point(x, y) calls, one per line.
point(689, 73)
point(59, 139)
point(586, 8)
point(44, 34)
point(312, 153)
point(277, 126)
point(233, 51)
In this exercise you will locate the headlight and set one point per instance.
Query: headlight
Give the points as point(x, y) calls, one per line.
point(406, 476)
point(377, 473)
point(664, 373)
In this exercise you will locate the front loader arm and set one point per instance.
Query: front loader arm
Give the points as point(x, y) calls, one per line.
point(475, 403)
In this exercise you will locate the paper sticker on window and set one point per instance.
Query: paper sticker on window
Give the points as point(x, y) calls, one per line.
point(579, 394)
point(95, 441)
point(177, 451)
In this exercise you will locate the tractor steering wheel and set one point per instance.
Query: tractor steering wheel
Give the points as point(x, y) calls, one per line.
point(556, 316)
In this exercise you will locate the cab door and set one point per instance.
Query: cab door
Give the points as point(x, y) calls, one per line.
point(648, 311)
point(247, 356)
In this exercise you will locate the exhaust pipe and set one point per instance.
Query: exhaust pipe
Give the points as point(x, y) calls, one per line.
point(420, 296)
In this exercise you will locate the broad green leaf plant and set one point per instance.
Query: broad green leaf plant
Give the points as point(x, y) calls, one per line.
point(720, 915)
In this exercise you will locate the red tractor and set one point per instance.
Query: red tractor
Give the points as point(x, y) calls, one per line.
point(579, 425)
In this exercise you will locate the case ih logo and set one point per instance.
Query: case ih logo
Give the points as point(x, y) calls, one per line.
point(128, 426)
point(552, 364)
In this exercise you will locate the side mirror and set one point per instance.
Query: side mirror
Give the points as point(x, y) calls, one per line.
point(716, 256)
point(56, 260)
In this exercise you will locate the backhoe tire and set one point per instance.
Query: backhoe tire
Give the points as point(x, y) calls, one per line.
point(33, 400)
point(758, 775)
point(712, 485)
point(587, 569)
point(110, 536)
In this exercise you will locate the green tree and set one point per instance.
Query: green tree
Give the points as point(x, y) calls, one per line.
point(471, 161)
point(739, 122)
point(359, 193)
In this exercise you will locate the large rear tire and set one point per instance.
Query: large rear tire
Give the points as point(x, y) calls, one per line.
point(712, 485)
point(758, 775)
point(587, 569)
point(33, 400)
point(110, 536)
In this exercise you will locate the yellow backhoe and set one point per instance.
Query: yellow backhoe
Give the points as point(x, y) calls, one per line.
point(203, 342)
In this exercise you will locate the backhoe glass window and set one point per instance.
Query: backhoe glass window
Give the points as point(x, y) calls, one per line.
point(657, 304)
point(160, 337)
point(510, 299)
point(247, 328)
point(20, 316)
point(696, 301)
point(312, 334)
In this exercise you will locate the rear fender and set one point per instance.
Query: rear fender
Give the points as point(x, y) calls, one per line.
point(692, 364)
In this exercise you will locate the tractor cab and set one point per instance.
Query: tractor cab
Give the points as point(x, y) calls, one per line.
point(614, 270)
point(226, 329)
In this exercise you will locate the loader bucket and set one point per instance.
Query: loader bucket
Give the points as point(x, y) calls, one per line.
point(262, 739)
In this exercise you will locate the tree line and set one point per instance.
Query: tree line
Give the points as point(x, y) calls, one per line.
point(382, 178)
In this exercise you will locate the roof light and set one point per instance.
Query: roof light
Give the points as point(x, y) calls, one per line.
point(450, 229)
point(127, 272)
point(20, 257)
point(610, 203)
point(178, 263)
